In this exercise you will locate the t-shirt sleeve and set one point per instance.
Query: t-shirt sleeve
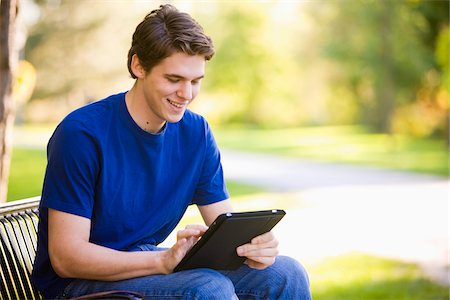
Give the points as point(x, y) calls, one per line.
point(72, 168)
point(211, 186)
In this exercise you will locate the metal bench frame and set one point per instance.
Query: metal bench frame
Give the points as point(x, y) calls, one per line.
point(18, 243)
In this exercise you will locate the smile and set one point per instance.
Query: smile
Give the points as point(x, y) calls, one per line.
point(177, 105)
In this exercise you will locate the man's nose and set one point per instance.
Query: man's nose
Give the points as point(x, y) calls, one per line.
point(185, 91)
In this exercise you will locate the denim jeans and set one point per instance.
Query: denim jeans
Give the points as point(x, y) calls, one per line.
point(285, 279)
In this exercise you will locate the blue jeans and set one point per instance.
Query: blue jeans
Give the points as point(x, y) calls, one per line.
point(285, 279)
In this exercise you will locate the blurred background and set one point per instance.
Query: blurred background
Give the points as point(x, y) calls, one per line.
point(336, 111)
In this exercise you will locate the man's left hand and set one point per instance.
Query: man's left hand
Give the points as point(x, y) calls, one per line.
point(260, 252)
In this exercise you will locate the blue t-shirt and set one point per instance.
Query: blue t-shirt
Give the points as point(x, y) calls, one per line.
point(134, 186)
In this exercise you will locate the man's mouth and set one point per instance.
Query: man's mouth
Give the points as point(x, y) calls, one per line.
point(176, 104)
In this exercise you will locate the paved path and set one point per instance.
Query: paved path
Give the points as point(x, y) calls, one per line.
point(335, 209)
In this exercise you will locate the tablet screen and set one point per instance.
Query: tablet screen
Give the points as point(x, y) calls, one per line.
point(216, 249)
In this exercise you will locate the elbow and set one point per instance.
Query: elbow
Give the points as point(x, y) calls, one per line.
point(61, 265)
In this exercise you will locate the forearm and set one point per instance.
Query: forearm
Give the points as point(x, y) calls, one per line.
point(73, 256)
point(89, 261)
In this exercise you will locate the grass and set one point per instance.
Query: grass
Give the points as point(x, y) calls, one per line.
point(28, 168)
point(237, 189)
point(345, 144)
point(26, 173)
point(359, 276)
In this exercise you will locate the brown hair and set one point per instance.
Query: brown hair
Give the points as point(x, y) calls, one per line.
point(165, 31)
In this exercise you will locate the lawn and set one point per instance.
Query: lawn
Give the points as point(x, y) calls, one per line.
point(26, 174)
point(344, 144)
point(28, 168)
point(359, 276)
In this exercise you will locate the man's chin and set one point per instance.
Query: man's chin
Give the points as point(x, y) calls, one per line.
point(175, 118)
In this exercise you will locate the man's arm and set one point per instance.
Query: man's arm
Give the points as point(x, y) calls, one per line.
point(260, 252)
point(211, 211)
point(72, 255)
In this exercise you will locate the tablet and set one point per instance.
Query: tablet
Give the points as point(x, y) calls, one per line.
point(216, 249)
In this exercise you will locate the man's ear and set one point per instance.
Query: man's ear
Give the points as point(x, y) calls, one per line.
point(136, 67)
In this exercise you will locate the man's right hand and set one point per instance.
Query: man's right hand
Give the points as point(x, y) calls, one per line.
point(186, 238)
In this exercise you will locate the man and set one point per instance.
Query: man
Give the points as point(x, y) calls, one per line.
point(121, 173)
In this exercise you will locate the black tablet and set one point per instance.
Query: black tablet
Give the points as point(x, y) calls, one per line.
point(216, 249)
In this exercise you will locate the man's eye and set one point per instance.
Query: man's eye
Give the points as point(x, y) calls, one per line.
point(173, 80)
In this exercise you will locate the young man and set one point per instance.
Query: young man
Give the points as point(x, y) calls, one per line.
point(121, 173)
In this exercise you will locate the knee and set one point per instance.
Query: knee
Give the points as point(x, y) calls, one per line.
point(291, 269)
point(211, 285)
point(292, 276)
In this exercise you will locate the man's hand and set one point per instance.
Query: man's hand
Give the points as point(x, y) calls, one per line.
point(186, 238)
point(260, 252)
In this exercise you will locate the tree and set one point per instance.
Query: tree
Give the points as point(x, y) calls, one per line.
point(237, 67)
point(79, 51)
point(383, 50)
point(8, 62)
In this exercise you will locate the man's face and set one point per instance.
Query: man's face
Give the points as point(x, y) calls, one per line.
point(171, 85)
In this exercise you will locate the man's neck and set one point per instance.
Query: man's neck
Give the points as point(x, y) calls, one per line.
point(140, 112)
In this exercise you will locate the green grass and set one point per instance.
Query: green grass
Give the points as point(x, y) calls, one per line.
point(345, 144)
point(28, 168)
point(237, 189)
point(359, 276)
point(26, 173)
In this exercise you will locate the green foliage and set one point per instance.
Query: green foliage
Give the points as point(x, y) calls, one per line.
point(277, 63)
point(79, 50)
point(249, 71)
point(383, 51)
point(442, 55)
point(59, 39)
point(359, 276)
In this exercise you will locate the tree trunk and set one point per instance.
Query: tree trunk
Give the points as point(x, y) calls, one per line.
point(8, 62)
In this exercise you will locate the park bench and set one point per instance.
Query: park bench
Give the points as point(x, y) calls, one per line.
point(18, 243)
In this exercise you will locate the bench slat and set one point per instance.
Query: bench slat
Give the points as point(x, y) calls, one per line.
point(17, 262)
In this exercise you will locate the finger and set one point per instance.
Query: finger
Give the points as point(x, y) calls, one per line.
point(186, 233)
point(176, 253)
point(200, 227)
point(255, 265)
point(263, 252)
point(182, 245)
point(179, 249)
point(248, 249)
point(259, 263)
point(263, 238)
